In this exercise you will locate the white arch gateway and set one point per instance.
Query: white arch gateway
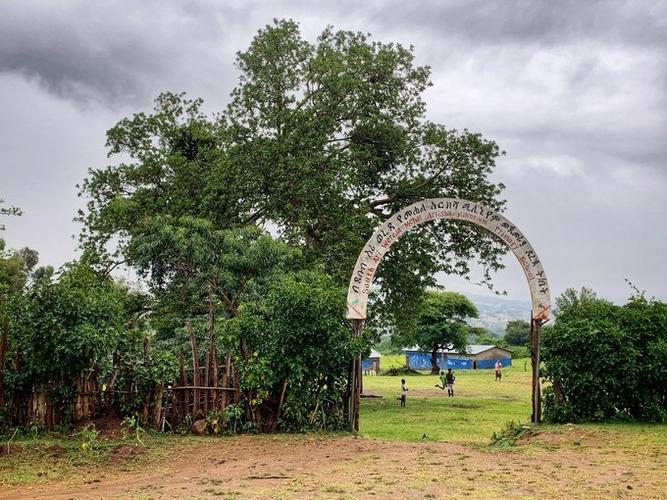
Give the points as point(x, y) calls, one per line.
point(457, 209)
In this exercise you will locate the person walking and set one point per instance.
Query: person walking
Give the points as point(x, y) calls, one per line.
point(443, 381)
point(499, 370)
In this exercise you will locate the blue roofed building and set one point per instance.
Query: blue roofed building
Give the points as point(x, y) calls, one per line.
point(476, 356)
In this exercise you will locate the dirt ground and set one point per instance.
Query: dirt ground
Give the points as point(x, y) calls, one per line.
point(575, 463)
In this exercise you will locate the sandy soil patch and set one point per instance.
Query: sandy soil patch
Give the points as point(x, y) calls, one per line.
point(571, 463)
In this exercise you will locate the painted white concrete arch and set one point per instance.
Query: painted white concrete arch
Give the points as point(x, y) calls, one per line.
point(446, 208)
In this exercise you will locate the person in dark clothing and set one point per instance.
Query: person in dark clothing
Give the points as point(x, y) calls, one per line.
point(449, 378)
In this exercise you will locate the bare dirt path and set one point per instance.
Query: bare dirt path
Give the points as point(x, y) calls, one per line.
point(577, 464)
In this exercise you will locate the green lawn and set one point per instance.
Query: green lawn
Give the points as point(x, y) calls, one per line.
point(404, 457)
point(480, 406)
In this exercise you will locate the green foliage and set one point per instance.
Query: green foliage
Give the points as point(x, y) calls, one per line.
point(187, 259)
point(233, 415)
point(88, 436)
point(440, 323)
point(299, 341)
point(400, 371)
point(147, 371)
point(60, 327)
point(16, 267)
point(130, 426)
point(517, 333)
point(71, 325)
point(606, 361)
point(521, 351)
point(645, 325)
point(386, 346)
point(215, 421)
point(480, 335)
point(510, 434)
point(324, 139)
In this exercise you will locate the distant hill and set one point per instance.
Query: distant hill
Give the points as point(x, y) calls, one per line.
point(496, 311)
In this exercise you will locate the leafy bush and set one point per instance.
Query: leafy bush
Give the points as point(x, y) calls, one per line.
point(88, 436)
point(401, 370)
point(520, 351)
point(301, 347)
point(130, 426)
point(606, 361)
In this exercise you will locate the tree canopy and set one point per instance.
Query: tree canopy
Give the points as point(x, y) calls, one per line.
point(321, 140)
point(245, 226)
point(440, 324)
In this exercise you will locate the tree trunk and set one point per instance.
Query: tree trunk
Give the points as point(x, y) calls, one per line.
point(157, 407)
point(435, 369)
point(280, 406)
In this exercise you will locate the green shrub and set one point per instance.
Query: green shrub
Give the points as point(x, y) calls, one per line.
point(399, 371)
point(511, 432)
point(605, 361)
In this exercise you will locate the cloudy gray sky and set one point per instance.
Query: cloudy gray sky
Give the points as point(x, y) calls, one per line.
point(575, 92)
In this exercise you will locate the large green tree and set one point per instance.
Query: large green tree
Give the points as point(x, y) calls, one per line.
point(440, 324)
point(323, 140)
point(517, 332)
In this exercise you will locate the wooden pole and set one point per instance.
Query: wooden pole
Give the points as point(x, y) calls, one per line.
point(355, 380)
point(207, 365)
point(225, 380)
point(215, 379)
point(211, 363)
point(535, 327)
point(181, 397)
point(195, 367)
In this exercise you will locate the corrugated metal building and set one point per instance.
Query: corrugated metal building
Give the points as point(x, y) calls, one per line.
point(372, 362)
point(476, 356)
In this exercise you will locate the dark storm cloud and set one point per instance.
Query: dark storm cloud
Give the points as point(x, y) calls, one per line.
point(542, 22)
point(117, 52)
point(574, 91)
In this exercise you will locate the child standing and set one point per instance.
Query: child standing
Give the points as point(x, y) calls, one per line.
point(404, 393)
point(449, 379)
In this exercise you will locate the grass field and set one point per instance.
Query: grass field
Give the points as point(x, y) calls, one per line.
point(436, 447)
point(479, 407)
